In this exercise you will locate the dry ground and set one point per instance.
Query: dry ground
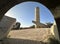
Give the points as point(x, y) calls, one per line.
point(28, 36)
point(37, 34)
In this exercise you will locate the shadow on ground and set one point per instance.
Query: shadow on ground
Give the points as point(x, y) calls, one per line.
point(25, 41)
point(21, 41)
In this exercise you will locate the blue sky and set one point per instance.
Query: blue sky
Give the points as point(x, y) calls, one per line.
point(24, 13)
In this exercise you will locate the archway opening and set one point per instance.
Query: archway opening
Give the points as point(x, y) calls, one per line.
point(25, 13)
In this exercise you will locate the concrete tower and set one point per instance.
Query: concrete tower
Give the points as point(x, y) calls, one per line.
point(37, 16)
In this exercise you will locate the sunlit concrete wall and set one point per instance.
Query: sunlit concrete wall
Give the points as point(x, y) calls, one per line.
point(54, 31)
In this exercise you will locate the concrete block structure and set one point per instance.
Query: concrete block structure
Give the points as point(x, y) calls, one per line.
point(5, 26)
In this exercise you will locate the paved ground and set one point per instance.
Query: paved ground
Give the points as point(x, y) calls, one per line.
point(28, 36)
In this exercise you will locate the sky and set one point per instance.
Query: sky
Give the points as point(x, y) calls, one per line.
point(25, 13)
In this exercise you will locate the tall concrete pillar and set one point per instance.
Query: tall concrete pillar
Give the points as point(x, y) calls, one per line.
point(37, 17)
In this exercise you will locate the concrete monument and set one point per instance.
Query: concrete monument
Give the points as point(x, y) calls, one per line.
point(37, 17)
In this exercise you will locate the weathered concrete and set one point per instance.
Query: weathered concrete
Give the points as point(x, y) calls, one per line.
point(5, 26)
point(37, 17)
point(5, 5)
point(54, 31)
point(56, 12)
point(37, 34)
point(28, 36)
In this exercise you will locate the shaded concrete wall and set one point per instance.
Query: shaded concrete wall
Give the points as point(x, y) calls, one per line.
point(5, 26)
point(56, 13)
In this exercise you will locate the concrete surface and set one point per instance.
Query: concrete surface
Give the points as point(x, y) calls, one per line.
point(28, 36)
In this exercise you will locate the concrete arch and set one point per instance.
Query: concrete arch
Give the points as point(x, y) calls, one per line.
point(7, 4)
point(51, 4)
